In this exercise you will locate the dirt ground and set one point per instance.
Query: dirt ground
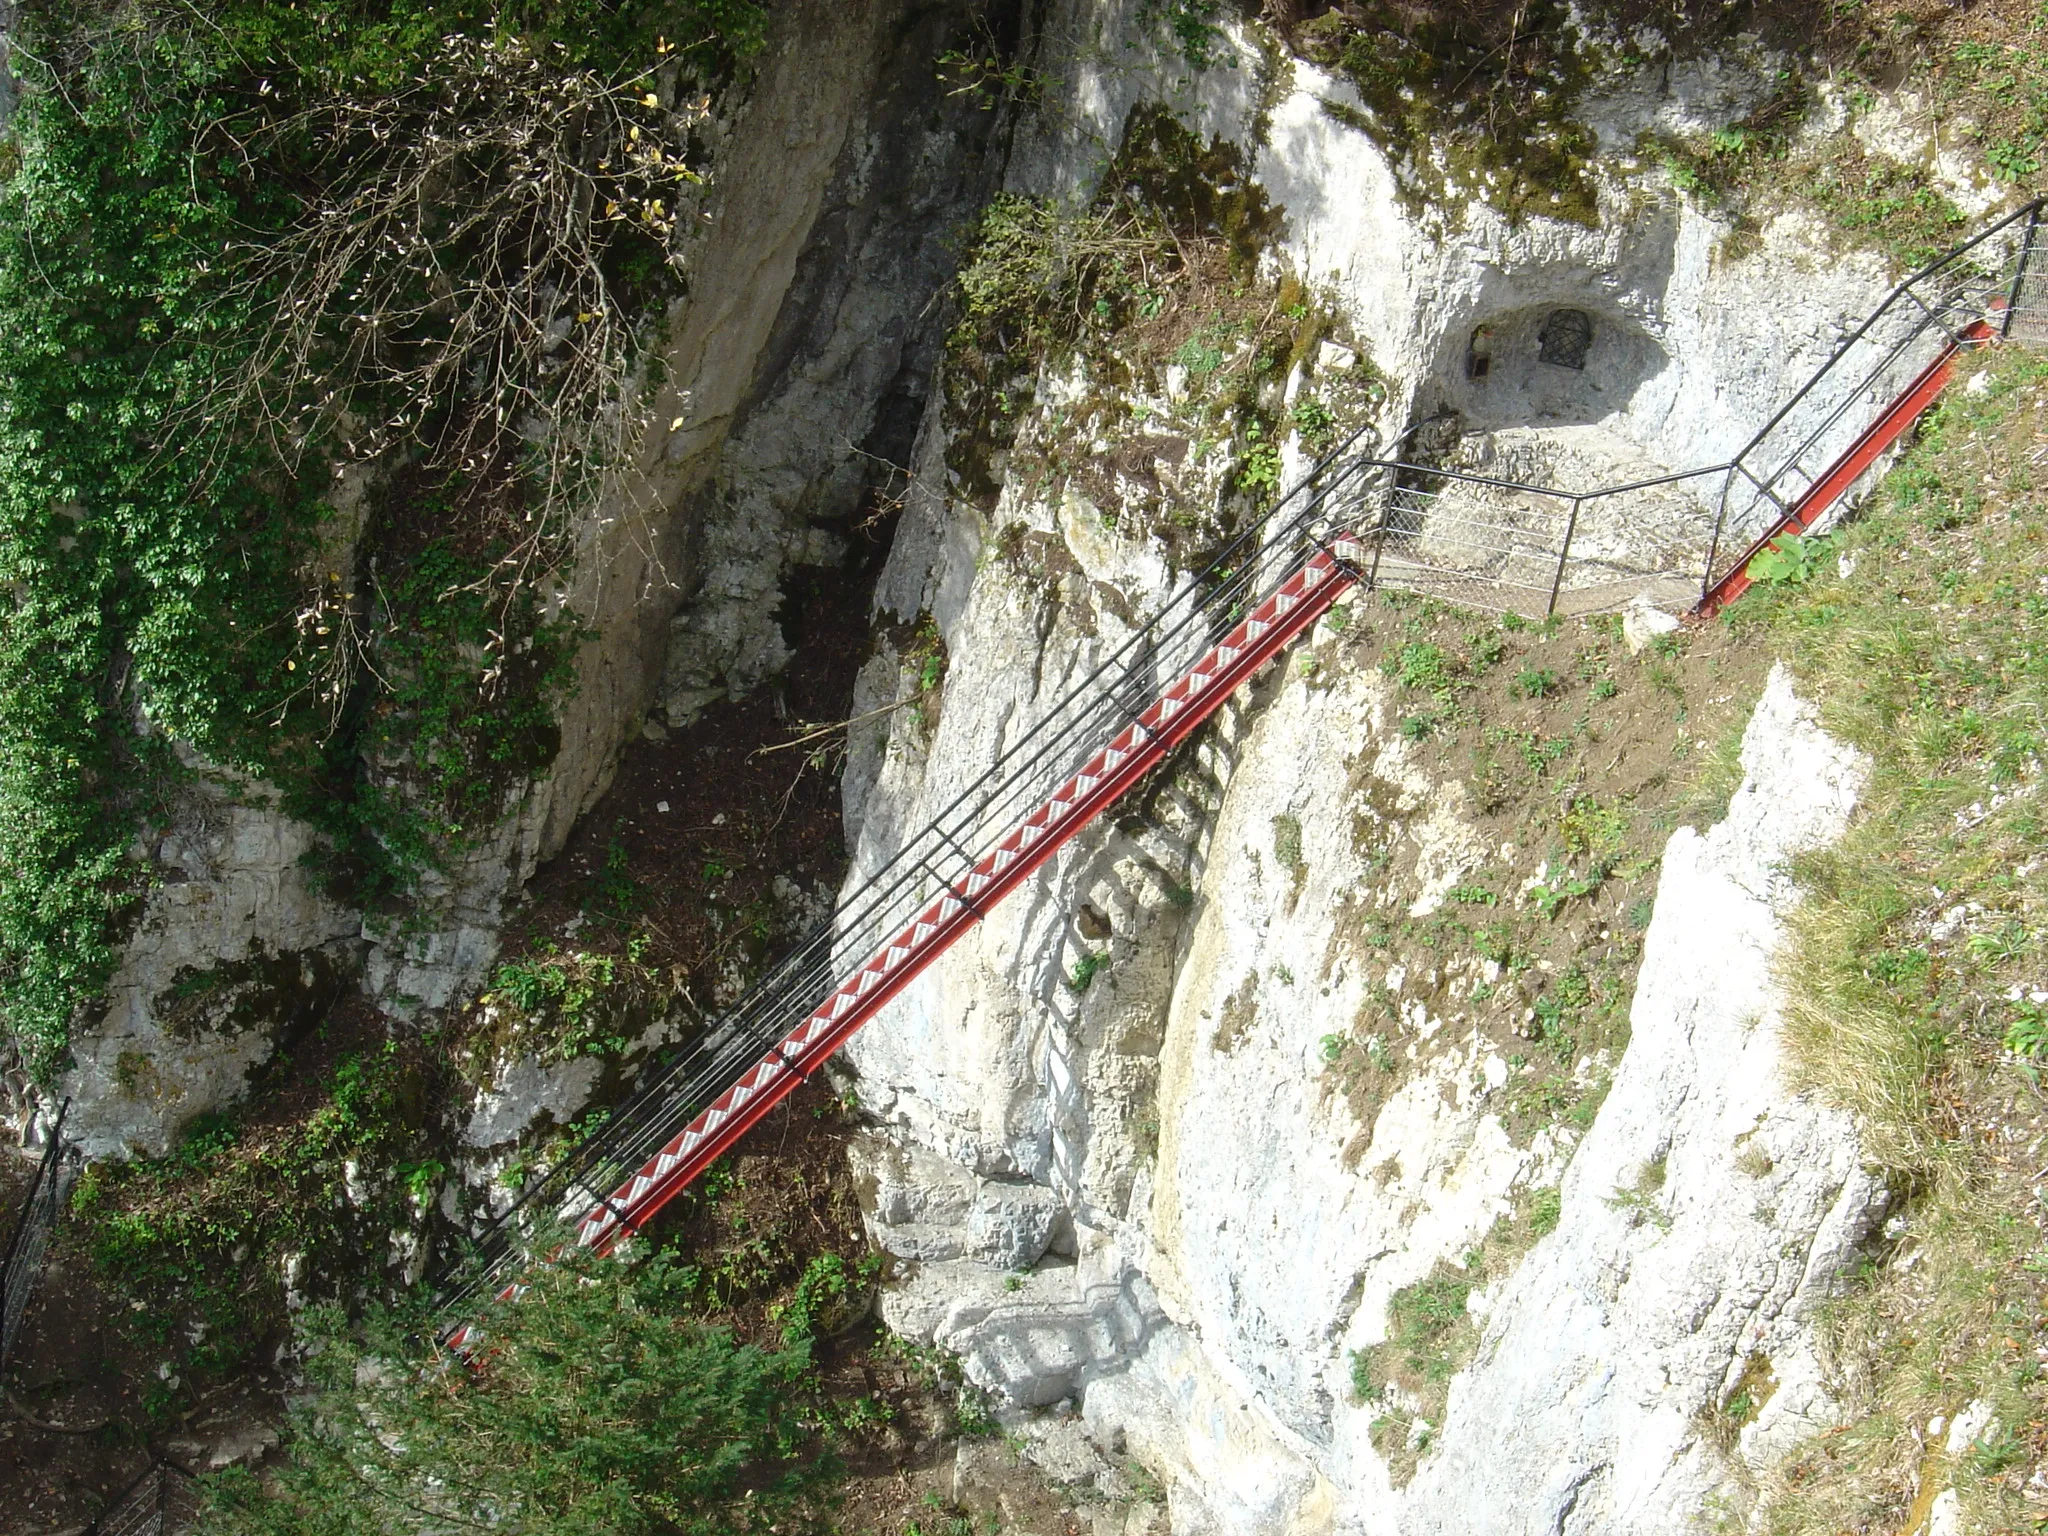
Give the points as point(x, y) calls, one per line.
point(1570, 751)
point(74, 1433)
point(686, 846)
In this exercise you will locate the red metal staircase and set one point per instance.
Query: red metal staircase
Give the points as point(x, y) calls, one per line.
point(1298, 601)
point(1345, 525)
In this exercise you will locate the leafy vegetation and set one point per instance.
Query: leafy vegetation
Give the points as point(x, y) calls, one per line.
point(1042, 274)
point(211, 294)
point(563, 1004)
point(1194, 25)
point(600, 1405)
point(1086, 969)
point(198, 1241)
point(1790, 558)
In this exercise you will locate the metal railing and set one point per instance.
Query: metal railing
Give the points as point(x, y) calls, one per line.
point(1544, 549)
point(163, 1501)
point(30, 1239)
point(1106, 699)
point(1479, 541)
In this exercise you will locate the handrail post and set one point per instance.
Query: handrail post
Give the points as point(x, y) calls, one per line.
point(1714, 543)
point(2019, 274)
point(1379, 534)
point(1564, 553)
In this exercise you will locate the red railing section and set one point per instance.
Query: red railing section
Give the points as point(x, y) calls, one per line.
point(1875, 441)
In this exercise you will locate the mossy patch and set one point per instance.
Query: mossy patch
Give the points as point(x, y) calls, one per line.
point(1477, 101)
point(1432, 1335)
point(1239, 1012)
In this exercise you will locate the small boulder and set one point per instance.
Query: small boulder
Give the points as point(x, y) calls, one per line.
point(1642, 622)
point(1334, 357)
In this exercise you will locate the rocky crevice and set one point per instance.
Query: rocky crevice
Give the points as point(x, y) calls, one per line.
point(791, 378)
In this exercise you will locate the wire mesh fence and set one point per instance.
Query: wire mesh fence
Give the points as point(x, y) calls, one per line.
point(30, 1238)
point(1388, 523)
point(163, 1501)
point(2028, 318)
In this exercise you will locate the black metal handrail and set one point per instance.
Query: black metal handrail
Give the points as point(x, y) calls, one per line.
point(30, 1238)
point(1350, 492)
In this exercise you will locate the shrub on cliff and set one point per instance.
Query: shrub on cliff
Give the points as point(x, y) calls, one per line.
point(595, 1405)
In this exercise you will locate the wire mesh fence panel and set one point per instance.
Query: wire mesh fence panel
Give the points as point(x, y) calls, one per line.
point(1792, 455)
point(30, 1239)
point(164, 1501)
point(1477, 543)
point(1642, 540)
point(2029, 303)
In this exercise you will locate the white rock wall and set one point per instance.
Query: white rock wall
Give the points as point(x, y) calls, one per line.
point(1231, 1233)
point(1205, 1313)
point(1616, 1331)
point(234, 893)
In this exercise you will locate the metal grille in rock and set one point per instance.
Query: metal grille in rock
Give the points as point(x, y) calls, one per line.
point(1355, 521)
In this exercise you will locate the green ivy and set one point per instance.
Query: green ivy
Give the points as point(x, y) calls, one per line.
point(154, 555)
point(1195, 27)
point(149, 579)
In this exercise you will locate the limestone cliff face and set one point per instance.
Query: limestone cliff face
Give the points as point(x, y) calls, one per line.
point(838, 182)
point(1107, 1152)
point(1605, 1349)
point(1138, 1203)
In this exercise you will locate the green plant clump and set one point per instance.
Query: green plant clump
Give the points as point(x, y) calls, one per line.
point(195, 1239)
point(1194, 25)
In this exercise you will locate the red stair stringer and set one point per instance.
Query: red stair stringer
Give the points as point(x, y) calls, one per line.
point(1871, 445)
point(1191, 699)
